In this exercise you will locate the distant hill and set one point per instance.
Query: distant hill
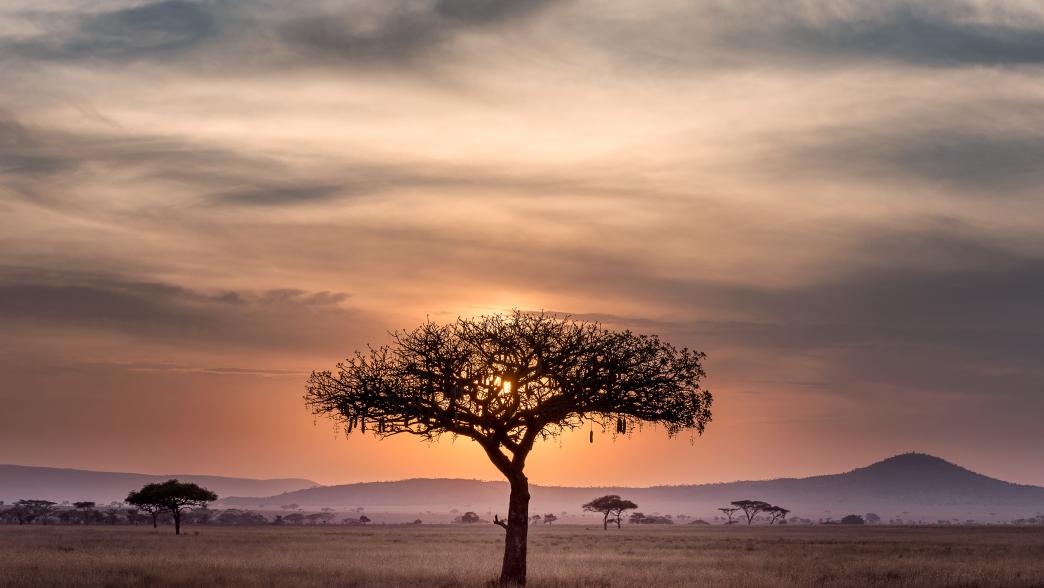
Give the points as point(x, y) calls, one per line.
point(58, 484)
point(911, 486)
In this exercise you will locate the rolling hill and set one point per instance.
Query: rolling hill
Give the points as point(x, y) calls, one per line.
point(58, 484)
point(910, 486)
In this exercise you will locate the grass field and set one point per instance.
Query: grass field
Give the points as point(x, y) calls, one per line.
point(560, 556)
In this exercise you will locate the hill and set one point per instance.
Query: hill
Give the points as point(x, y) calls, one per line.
point(910, 486)
point(60, 484)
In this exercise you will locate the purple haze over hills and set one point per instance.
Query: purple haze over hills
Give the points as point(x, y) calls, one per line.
point(909, 486)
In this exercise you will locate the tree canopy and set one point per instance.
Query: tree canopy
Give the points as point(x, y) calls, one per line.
point(612, 507)
point(172, 496)
point(506, 381)
point(751, 508)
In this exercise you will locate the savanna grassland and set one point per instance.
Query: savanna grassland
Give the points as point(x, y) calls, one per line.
point(560, 556)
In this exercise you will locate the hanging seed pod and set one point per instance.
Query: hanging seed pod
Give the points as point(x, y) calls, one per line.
point(592, 437)
point(621, 425)
point(362, 424)
point(380, 426)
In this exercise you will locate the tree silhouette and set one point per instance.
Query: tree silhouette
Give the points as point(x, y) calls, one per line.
point(550, 518)
point(777, 513)
point(85, 506)
point(171, 496)
point(751, 508)
point(730, 511)
point(611, 507)
point(507, 381)
point(153, 511)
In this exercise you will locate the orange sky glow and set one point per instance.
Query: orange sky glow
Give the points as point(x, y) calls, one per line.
point(201, 202)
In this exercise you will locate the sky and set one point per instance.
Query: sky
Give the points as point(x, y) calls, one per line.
point(838, 201)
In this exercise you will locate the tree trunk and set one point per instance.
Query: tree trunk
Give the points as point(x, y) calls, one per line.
point(513, 572)
point(605, 522)
point(155, 516)
point(177, 522)
point(618, 521)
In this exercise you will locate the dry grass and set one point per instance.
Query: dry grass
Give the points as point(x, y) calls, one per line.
point(559, 556)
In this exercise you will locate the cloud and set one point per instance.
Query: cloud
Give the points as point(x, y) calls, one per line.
point(151, 30)
point(240, 34)
point(22, 155)
point(156, 312)
point(275, 195)
point(948, 32)
point(239, 37)
point(929, 309)
point(802, 34)
point(398, 30)
point(1002, 164)
point(195, 173)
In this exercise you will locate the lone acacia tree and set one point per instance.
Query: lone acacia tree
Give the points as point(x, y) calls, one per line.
point(506, 381)
point(751, 508)
point(611, 507)
point(171, 496)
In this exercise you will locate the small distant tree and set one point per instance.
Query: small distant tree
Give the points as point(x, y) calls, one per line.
point(872, 518)
point(468, 518)
point(751, 508)
point(418, 522)
point(85, 507)
point(653, 519)
point(777, 513)
point(153, 510)
point(611, 507)
point(363, 519)
point(173, 497)
point(852, 519)
point(296, 518)
point(549, 518)
point(535, 519)
point(730, 511)
point(506, 382)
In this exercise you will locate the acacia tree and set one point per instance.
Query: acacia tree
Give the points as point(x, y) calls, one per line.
point(751, 508)
point(171, 496)
point(729, 511)
point(153, 510)
point(777, 513)
point(611, 507)
point(507, 381)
